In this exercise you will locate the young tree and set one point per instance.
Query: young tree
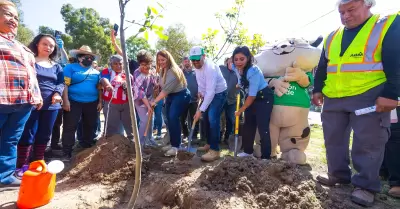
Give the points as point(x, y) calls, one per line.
point(151, 16)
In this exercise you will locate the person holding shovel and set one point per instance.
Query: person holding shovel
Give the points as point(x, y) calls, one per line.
point(116, 108)
point(144, 83)
point(212, 88)
point(174, 88)
point(258, 103)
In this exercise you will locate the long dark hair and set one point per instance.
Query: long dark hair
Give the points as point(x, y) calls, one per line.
point(33, 46)
point(250, 60)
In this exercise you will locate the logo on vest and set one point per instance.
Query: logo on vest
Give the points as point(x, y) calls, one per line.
point(357, 55)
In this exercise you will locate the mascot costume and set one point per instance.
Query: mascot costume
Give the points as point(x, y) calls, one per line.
point(287, 67)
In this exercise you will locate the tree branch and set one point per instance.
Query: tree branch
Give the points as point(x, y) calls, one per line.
point(216, 58)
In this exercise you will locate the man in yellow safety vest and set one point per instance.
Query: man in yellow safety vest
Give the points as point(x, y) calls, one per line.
point(359, 69)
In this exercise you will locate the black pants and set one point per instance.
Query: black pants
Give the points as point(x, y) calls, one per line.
point(56, 134)
point(186, 124)
point(391, 162)
point(88, 113)
point(258, 116)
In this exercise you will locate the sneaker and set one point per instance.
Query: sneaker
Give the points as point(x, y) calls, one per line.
point(66, 157)
point(210, 156)
point(363, 197)
point(243, 154)
point(19, 172)
point(394, 192)
point(12, 186)
point(204, 148)
point(171, 152)
point(166, 148)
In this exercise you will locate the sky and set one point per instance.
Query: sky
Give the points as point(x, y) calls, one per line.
point(273, 19)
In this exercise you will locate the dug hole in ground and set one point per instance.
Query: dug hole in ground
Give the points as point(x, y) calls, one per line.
point(103, 177)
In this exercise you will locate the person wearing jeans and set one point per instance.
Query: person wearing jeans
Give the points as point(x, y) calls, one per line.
point(258, 103)
point(174, 87)
point(39, 126)
point(212, 88)
point(158, 119)
point(19, 92)
point(82, 100)
point(188, 114)
point(230, 104)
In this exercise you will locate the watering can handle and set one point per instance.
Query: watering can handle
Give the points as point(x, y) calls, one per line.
point(34, 167)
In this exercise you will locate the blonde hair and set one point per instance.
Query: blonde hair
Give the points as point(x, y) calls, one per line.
point(171, 65)
point(7, 3)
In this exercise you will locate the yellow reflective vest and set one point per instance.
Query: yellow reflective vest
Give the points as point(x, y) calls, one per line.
point(360, 68)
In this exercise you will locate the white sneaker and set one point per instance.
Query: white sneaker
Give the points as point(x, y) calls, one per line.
point(243, 154)
point(171, 152)
point(166, 148)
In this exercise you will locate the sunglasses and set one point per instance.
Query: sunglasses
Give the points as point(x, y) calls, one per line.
point(88, 57)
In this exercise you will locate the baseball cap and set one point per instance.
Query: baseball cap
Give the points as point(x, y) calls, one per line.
point(196, 52)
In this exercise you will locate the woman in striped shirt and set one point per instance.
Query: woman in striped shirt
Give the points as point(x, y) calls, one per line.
point(145, 80)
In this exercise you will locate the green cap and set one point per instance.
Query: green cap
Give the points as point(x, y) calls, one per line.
point(196, 52)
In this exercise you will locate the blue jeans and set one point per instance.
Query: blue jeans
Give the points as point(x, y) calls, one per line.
point(176, 104)
point(230, 119)
point(12, 122)
point(158, 120)
point(211, 120)
point(38, 128)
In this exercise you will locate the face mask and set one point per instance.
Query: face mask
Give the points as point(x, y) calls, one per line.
point(86, 62)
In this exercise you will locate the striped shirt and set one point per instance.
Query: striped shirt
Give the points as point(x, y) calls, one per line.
point(18, 82)
point(143, 85)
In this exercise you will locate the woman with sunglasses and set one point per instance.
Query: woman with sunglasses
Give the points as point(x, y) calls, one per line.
point(39, 126)
point(81, 100)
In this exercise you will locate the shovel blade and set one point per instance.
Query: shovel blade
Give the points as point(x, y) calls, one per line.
point(231, 143)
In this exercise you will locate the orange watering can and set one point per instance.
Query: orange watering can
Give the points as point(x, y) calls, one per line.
point(38, 184)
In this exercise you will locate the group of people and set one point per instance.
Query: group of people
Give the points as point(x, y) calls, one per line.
point(359, 68)
point(38, 94)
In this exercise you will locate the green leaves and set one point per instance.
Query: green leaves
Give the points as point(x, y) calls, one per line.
point(154, 10)
point(151, 16)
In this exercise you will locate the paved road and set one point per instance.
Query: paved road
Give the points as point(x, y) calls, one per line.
point(314, 118)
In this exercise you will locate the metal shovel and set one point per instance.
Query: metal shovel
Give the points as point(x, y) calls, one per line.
point(190, 151)
point(235, 146)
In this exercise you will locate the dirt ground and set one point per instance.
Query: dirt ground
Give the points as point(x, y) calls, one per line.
point(102, 177)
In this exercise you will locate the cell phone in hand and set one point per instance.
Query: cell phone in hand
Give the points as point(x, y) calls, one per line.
point(116, 29)
point(57, 34)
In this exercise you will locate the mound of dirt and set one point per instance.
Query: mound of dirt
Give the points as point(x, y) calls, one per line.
point(276, 184)
point(111, 160)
